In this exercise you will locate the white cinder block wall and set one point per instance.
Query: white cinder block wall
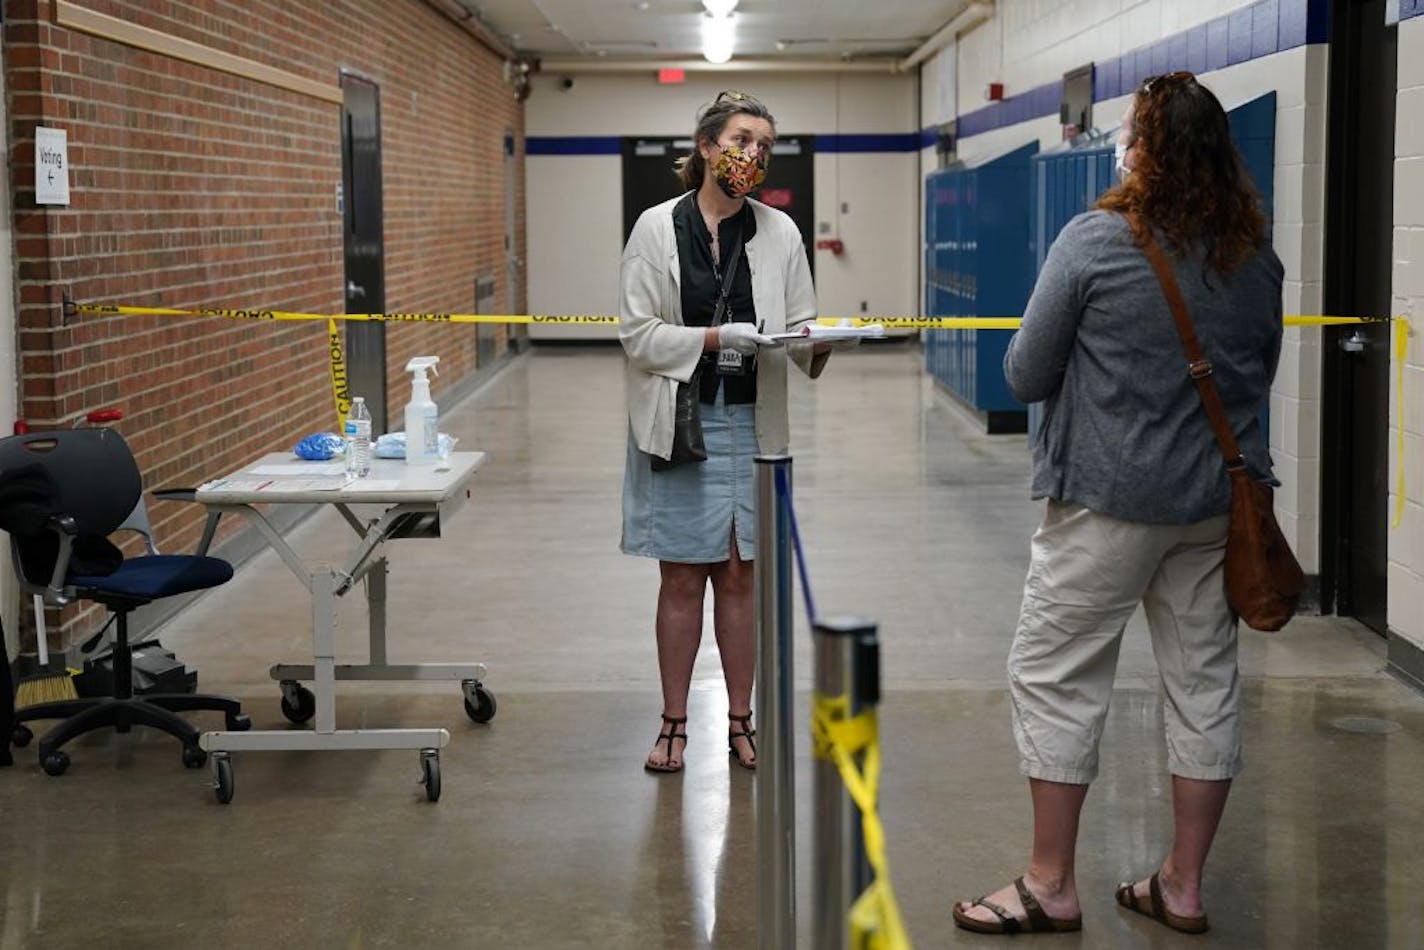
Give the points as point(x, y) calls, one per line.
point(1406, 542)
point(867, 200)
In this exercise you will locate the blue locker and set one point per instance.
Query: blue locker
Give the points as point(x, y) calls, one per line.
point(979, 262)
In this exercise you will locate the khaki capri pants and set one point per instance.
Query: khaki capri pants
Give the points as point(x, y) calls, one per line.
point(1088, 573)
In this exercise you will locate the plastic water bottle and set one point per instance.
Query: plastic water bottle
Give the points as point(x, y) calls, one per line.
point(358, 439)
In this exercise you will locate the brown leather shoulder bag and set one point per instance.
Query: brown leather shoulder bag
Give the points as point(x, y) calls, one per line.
point(1263, 578)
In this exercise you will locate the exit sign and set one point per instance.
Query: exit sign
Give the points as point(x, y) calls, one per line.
point(671, 76)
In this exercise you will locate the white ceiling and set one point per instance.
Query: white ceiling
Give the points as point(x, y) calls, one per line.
point(671, 29)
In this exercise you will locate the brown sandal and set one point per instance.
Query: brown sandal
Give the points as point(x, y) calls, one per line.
point(668, 736)
point(1156, 908)
point(1035, 919)
point(747, 733)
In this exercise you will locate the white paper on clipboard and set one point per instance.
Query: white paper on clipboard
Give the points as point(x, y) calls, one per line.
point(818, 333)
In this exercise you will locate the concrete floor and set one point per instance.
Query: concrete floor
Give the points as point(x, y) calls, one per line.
point(549, 834)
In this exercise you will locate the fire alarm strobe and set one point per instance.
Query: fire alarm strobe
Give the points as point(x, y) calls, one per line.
point(994, 91)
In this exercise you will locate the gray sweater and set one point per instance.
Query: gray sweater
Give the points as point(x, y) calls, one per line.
point(1123, 430)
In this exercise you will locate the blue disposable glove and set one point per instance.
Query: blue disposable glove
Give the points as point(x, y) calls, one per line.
point(320, 446)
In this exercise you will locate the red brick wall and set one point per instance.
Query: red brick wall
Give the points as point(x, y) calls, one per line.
point(192, 187)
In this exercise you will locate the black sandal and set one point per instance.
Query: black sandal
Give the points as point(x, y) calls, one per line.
point(668, 737)
point(747, 733)
point(1035, 919)
point(1152, 905)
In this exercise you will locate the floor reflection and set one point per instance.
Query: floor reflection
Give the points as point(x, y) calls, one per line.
point(549, 834)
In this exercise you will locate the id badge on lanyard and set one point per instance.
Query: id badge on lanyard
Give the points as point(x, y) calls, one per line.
point(729, 362)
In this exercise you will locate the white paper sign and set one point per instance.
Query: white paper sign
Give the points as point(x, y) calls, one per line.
point(51, 166)
point(947, 84)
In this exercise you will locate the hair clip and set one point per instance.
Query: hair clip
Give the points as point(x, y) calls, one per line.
point(1179, 76)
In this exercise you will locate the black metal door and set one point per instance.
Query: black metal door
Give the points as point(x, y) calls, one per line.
point(1358, 255)
point(364, 240)
point(648, 178)
point(513, 263)
point(790, 185)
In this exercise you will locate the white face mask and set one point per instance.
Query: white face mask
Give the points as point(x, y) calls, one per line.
point(1120, 161)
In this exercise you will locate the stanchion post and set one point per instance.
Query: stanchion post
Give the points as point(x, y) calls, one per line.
point(847, 664)
point(775, 775)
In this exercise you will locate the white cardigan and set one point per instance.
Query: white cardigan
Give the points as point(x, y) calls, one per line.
point(663, 352)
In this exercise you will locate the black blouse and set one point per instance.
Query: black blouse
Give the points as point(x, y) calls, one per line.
point(702, 285)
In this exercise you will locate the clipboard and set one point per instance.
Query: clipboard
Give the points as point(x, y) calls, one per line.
point(817, 333)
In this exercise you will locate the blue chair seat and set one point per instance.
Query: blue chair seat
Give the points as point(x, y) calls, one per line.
point(157, 576)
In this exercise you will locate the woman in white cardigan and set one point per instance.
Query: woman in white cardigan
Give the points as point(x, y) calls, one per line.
point(697, 518)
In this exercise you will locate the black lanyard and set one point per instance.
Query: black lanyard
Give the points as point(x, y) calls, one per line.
point(725, 280)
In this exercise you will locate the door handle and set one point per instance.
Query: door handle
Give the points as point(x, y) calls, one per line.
point(354, 289)
point(1355, 343)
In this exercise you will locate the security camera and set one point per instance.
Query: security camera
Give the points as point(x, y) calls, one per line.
point(567, 82)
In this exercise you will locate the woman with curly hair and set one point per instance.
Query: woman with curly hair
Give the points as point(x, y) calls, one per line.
point(1137, 494)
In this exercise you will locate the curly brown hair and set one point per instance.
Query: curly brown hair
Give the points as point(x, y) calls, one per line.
point(1187, 178)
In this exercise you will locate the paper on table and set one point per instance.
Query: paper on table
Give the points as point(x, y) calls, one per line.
point(373, 484)
point(816, 332)
point(252, 484)
point(299, 468)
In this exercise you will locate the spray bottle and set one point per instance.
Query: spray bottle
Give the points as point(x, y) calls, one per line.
point(422, 425)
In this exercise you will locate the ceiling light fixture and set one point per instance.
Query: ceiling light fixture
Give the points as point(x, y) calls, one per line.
point(718, 37)
point(719, 8)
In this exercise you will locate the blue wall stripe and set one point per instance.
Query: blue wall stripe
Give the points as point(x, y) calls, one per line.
point(1261, 29)
point(887, 142)
point(1410, 8)
point(612, 145)
point(573, 145)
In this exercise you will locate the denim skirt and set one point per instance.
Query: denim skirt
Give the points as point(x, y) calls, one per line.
point(687, 514)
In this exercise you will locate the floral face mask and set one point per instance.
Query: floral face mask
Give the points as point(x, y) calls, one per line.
point(739, 174)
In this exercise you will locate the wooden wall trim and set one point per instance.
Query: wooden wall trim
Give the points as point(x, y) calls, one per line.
point(72, 16)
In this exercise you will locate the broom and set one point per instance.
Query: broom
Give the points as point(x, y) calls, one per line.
point(44, 685)
point(7, 703)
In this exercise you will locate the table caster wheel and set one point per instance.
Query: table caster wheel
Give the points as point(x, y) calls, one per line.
point(479, 702)
point(21, 736)
point(430, 773)
point(239, 722)
point(194, 757)
point(298, 703)
point(222, 777)
point(54, 763)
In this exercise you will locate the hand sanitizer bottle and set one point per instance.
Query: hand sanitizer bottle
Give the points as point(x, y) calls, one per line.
point(422, 419)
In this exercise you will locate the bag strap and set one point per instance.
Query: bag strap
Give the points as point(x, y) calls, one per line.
point(727, 282)
point(1198, 366)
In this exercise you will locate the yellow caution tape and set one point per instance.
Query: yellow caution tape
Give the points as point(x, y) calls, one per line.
point(112, 310)
point(1401, 348)
point(339, 386)
point(342, 391)
point(1012, 323)
point(890, 323)
point(875, 922)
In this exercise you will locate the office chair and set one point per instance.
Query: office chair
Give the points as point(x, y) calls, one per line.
point(61, 494)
